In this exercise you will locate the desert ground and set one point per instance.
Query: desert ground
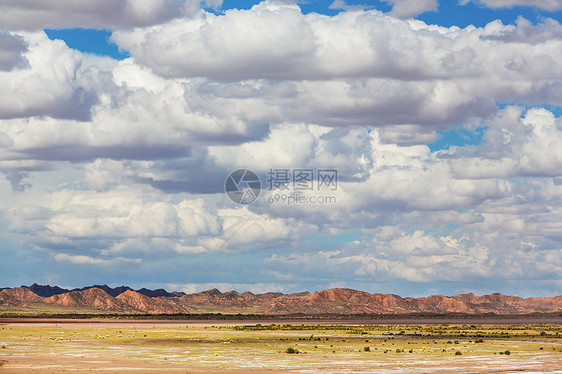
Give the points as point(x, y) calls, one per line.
point(319, 346)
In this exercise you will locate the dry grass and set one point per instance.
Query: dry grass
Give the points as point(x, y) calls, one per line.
point(332, 348)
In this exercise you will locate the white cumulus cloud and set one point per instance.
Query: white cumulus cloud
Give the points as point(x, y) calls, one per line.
point(411, 8)
point(35, 15)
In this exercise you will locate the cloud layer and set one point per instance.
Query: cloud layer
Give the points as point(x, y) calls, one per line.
point(121, 164)
point(36, 15)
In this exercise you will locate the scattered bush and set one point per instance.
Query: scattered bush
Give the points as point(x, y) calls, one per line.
point(367, 349)
point(458, 353)
point(507, 352)
point(292, 350)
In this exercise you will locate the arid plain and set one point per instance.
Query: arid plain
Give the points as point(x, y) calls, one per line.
point(280, 346)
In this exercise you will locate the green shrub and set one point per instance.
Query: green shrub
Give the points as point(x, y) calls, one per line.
point(367, 349)
point(292, 350)
point(458, 353)
point(507, 352)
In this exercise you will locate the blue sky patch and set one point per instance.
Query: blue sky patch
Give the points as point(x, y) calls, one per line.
point(457, 136)
point(451, 14)
point(88, 41)
point(557, 110)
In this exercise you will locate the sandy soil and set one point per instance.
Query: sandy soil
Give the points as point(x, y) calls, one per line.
point(201, 347)
point(43, 364)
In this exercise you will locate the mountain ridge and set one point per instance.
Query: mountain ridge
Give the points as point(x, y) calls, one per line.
point(47, 290)
point(332, 301)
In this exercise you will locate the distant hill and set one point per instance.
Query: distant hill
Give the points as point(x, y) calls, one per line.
point(48, 291)
point(159, 293)
point(333, 301)
point(110, 291)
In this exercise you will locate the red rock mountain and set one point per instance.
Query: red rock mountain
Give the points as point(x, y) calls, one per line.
point(93, 298)
point(332, 301)
point(143, 303)
point(18, 297)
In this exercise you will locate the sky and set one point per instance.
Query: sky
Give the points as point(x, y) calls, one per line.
point(410, 147)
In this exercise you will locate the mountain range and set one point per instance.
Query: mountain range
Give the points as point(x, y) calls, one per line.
point(333, 301)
